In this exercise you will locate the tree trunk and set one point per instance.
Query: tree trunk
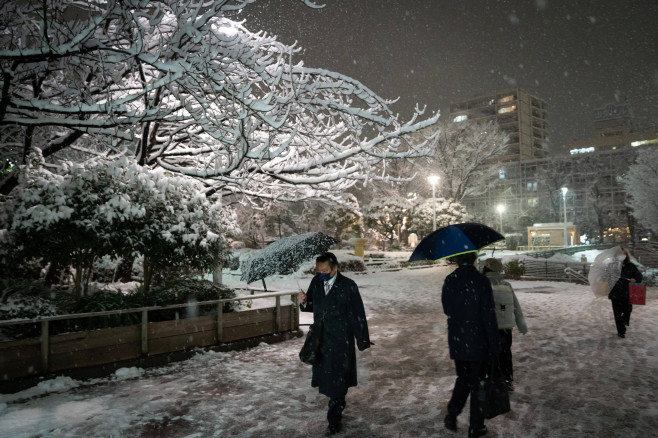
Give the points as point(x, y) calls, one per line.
point(124, 272)
point(217, 275)
point(148, 274)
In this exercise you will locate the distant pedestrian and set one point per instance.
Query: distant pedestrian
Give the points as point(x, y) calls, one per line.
point(472, 337)
point(335, 299)
point(621, 308)
point(508, 315)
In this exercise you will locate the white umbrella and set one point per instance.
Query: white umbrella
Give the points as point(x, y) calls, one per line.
point(606, 270)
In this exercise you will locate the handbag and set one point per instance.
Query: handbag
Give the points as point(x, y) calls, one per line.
point(311, 352)
point(493, 395)
point(637, 293)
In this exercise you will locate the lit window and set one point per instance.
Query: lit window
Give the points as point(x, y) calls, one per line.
point(507, 109)
point(501, 174)
point(460, 118)
point(643, 142)
point(506, 99)
point(582, 150)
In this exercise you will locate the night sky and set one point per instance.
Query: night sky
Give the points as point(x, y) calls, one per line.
point(577, 55)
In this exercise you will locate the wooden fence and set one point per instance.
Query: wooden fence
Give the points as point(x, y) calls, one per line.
point(58, 352)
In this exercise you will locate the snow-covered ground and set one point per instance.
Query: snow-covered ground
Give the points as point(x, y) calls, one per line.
point(574, 377)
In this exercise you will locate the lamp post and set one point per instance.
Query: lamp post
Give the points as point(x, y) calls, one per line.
point(501, 209)
point(564, 204)
point(433, 179)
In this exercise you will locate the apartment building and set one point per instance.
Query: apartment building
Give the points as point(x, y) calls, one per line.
point(517, 112)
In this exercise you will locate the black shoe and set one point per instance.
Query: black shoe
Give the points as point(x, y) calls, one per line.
point(621, 335)
point(450, 422)
point(334, 428)
point(510, 385)
point(473, 433)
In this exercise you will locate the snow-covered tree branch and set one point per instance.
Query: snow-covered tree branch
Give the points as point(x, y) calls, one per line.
point(183, 86)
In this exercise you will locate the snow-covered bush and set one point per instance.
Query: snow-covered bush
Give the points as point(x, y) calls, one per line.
point(112, 207)
point(448, 212)
point(513, 240)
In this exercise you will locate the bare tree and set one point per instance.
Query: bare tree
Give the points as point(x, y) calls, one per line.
point(465, 157)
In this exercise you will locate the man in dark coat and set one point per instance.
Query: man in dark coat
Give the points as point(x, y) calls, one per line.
point(621, 308)
point(472, 337)
point(335, 299)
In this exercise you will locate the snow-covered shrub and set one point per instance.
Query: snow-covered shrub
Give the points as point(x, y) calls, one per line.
point(351, 264)
point(448, 212)
point(112, 207)
point(514, 269)
point(513, 240)
point(183, 290)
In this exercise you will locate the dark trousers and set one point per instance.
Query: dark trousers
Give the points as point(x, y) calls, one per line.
point(468, 380)
point(622, 311)
point(335, 412)
point(505, 358)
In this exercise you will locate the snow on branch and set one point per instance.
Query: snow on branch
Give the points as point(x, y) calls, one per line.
point(185, 88)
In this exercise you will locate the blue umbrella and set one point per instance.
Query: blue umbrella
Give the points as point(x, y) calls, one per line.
point(455, 239)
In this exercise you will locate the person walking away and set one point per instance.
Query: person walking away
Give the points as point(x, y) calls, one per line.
point(467, 300)
point(335, 299)
point(621, 308)
point(508, 315)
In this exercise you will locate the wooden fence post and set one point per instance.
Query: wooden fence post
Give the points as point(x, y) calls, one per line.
point(220, 322)
point(45, 346)
point(277, 314)
point(145, 332)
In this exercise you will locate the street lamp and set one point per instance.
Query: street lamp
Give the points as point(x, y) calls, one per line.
point(433, 179)
point(564, 203)
point(501, 209)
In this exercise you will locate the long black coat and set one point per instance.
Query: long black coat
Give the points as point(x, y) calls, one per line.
point(344, 320)
point(472, 329)
point(619, 291)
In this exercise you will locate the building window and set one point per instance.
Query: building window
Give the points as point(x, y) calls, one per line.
point(506, 99)
point(582, 150)
point(501, 174)
point(531, 186)
point(460, 118)
point(532, 202)
point(507, 109)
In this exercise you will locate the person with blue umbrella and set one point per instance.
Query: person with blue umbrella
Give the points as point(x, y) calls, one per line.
point(473, 340)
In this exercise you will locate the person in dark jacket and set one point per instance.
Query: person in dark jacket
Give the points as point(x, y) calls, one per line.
point(621, 308)
point(335, 299)
point(473, 341)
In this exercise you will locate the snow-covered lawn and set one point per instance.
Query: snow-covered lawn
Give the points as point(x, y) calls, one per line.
point(574, 377)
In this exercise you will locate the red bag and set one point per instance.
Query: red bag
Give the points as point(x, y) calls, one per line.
point(637, 293)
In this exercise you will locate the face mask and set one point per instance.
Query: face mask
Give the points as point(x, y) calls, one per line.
point(324, 277)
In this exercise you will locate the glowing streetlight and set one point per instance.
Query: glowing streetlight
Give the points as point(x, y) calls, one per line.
point(501, 209)
point(564, 203)
point(434, 180)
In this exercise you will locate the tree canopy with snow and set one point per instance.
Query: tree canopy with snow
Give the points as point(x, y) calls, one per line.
point(185, 87)
point(111, 207)
point(387, 216)
point(448, 212)
point(641, 184)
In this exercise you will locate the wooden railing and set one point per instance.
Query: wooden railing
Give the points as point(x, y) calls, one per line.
point(34, 356)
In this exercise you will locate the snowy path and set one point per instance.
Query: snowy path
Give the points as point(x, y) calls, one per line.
point(574, 378)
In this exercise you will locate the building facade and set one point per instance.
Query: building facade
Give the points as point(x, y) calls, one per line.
point(529, 190)
point(522, 116)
